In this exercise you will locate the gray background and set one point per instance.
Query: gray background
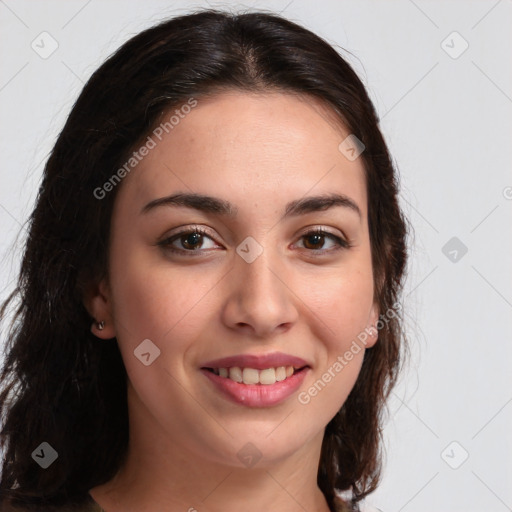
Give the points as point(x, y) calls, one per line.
point(446, 114)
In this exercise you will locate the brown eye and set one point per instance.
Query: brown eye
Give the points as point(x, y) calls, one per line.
point(191, 241)
point(314, 240)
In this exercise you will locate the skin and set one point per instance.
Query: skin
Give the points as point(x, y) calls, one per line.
point(258, 151)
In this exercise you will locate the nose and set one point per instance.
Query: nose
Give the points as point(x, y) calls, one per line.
point(260, 300)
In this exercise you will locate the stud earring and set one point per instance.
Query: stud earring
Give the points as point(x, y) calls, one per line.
point(100, 325)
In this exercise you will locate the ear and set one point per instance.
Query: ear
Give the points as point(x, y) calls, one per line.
point(98, 303)
point(373, 334)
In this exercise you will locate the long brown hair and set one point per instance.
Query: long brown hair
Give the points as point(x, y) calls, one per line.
point(58, 384)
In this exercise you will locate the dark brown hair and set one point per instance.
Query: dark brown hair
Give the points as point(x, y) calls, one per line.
point(58, 384)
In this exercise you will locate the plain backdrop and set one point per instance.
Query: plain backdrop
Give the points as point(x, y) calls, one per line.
point(439, 74)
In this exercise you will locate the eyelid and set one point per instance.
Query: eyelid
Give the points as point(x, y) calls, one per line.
point(201, 229)
point(187, 229)
point(325, 230)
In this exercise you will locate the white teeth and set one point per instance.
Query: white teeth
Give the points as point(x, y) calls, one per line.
point(281, 373)
point(268, 376)
point(250, 376)
point(235, 374)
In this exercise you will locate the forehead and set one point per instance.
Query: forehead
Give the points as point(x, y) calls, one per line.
point(272, 147)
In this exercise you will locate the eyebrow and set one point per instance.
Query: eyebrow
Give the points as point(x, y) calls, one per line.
point(217, 206)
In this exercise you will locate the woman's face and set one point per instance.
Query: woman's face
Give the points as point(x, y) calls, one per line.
point(255, 283)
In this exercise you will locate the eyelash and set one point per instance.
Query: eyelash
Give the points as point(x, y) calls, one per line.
point(166, 243)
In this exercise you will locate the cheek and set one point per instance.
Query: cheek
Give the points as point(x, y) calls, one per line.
point(341, 315)
point(160, 301)
point(327, 389)
point(341, 303)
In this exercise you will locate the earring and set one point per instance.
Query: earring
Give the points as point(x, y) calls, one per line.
point(100, 325)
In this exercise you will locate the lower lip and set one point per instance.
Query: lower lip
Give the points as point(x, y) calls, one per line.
point(257, 395)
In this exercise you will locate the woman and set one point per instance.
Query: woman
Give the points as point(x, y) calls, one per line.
point(208, 310)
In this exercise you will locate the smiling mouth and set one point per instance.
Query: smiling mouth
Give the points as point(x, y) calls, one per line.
point(251, 376)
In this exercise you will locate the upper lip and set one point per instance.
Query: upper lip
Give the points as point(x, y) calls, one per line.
point(258, 362)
